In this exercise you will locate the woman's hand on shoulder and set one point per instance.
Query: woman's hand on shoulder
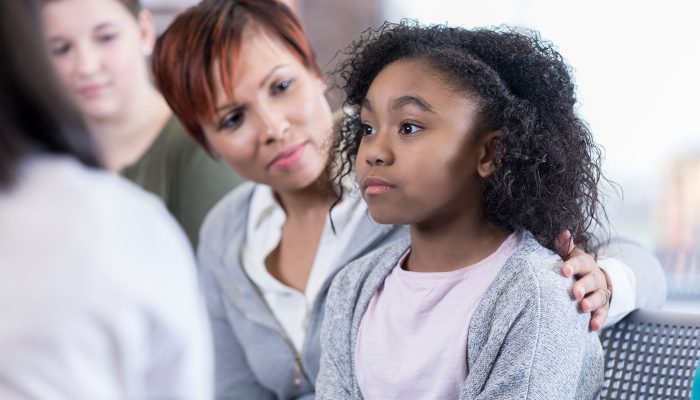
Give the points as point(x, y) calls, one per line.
point(591, 288)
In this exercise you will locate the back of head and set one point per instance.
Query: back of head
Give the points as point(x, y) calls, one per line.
point(548, 166)
point(35, 116)
point(208, 36)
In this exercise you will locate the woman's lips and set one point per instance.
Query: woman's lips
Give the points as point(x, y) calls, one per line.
point(287, 159)
point(375, 186)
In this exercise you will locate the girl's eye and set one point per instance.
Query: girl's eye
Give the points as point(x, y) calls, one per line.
point(281, 87)
point(106, 37)
point(59, 50)
point(231, 121)
point(409, 128)
point(367, 130)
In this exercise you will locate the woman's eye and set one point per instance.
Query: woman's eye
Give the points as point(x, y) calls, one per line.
point(409, 128)
point(231, 121)
point(281, 87)
point(367, 130)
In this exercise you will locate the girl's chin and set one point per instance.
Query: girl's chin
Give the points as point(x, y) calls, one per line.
point(97, 110)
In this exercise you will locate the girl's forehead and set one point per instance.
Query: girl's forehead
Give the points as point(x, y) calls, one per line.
point(413, 74)
point(78, 16)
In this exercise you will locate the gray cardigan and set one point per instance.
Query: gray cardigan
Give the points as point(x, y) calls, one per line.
point(255, 359)
point(526, 340)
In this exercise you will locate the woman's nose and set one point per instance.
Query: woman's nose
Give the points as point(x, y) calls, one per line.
point(273, 125)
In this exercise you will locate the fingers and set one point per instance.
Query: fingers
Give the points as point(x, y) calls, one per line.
point(578, 262)
point(563, 243)
point(598, 319)
point(585, 285)
point(595, 301)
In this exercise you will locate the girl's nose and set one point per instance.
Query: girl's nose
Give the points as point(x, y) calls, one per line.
point(378, 150)
point(87, 61)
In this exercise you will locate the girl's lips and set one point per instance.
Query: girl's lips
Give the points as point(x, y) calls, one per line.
point(288, 158)
point(91, 91)
point(376, 186)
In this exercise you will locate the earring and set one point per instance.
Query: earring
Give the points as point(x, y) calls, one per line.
point(147, 50)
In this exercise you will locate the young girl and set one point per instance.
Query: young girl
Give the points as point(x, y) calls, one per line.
point(472, 140)
point(99, 49)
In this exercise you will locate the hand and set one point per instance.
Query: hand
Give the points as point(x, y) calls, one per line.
point(591, 288)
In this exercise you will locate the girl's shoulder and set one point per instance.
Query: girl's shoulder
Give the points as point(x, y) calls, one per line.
point(370, 269)
point(537, 267)
point(531, 283)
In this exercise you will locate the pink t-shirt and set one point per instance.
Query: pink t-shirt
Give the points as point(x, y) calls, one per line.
point(412, 342)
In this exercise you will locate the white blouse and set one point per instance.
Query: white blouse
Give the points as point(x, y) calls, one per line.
point(264, 230)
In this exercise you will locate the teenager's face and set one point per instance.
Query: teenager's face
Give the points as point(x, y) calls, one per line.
point(277, 127)
point(418, 159)
point(97, 48)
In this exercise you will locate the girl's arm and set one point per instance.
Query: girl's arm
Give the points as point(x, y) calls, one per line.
point(336, 372)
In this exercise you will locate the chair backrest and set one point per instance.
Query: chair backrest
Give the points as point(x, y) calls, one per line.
point(651, 355)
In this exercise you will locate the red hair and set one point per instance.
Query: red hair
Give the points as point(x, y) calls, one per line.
point(208, 33)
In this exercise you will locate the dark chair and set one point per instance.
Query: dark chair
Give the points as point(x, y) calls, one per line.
point(651, 355)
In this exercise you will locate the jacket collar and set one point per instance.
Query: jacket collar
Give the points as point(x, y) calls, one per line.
point(246, 297)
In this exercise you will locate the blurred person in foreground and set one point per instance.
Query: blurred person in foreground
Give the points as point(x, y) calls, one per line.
point(98, 292)
point(99, 48)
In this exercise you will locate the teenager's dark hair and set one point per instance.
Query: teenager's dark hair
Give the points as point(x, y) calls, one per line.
point(548, 166)
point(35, 116)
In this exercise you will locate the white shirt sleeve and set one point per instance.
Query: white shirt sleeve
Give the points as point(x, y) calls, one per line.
point(623, 284)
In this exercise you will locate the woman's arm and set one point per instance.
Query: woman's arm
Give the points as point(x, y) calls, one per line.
point(636, 277)
point(233, 378)
point(625, 277)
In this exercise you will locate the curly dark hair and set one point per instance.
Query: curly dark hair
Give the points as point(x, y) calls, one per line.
point(548, 166)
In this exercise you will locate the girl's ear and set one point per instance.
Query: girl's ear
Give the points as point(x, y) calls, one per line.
point(147, 27)
point(488, 154)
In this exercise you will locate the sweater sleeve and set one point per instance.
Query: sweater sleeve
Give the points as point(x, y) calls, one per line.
point(545, 351)
point(335, 375)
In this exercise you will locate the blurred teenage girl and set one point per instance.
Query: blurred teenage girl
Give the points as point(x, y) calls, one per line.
point(99, 49)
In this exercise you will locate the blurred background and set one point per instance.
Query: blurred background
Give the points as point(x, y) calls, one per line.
point(636, 66)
